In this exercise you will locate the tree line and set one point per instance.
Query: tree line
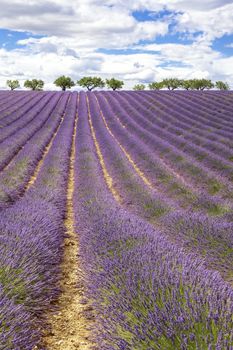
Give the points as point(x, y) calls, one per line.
point(91, 83)
point(189, 84)
point(66, 83)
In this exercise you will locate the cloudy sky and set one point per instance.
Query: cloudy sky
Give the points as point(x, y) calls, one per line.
point(137, 40)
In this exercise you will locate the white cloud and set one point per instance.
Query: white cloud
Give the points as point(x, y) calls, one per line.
point(73, 32)
point(214, 23)
point(91, 23)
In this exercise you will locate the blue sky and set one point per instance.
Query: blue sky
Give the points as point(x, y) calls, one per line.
point(9, 38)
point(139, 41)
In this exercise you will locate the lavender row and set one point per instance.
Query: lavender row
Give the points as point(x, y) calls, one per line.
point(198, 136)
point(208, 109)
point(186, 116)
point(181, 161)
point(17, 174)
point(158, 174)
point(12, 101)
point(164, 119)
point(220, 104)
point(31, 249)
point(209, 159)
point(196, 231)
point(6, 97)
point(25, 115)
point(148, 153)
point(12, 116)
point(204, 122)
point(13, 144)
point(185, 113)
point(135, 194)
point(148, 293)
point(207, 113)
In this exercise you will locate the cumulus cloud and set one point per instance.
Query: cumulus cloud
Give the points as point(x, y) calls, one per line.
point(92, 22)
point(72, 34)
point(213, 24)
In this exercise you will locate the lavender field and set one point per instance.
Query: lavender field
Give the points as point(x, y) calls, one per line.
point(144, 182)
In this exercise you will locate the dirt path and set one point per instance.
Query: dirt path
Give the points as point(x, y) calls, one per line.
point(128, 156)
point(41, 161)
point(168, 168)
point(69, 328)
point(108, 179)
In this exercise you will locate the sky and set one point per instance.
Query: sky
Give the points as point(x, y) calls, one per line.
point(138, 41)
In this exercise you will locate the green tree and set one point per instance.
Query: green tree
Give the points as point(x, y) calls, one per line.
point(34, 84)
point(156, 85)
point(13, 84)
point(114, 84)
point(91, 82)
point(64, 82)
point(187, 84)
point(202, 84)
point(172, 83)
point(139, 87)
point(220, 85)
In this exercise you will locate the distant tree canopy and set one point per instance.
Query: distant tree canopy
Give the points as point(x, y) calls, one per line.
point(188, 84)
point(172, 83)
point(13, 84)
point(64, 82)
point(156, 85)
point(114, 84)
point(139, 87)
point(91, 82)
point(34, 84)
point(197, 84)
point(221, 85)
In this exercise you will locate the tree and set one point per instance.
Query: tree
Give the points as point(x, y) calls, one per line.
point(91, 82)
point(13, 84)
point(114, 83)
point(202, 84)
point(172, 83)
point(64, 82)
point(187, 84)
point(139, 87)
point(156, 85)
point(197, 84)
point(34, 84)
point(221, 85)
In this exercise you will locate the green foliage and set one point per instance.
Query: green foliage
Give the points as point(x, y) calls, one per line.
point(139, 87)
point(220, 85)
point(156, 85)
point(34, 84)
point(114, 84)
point(197, 84)
point(91, 82)
point(188, 84)
point(13, 84)
point(64, 82)
point(171, 83)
